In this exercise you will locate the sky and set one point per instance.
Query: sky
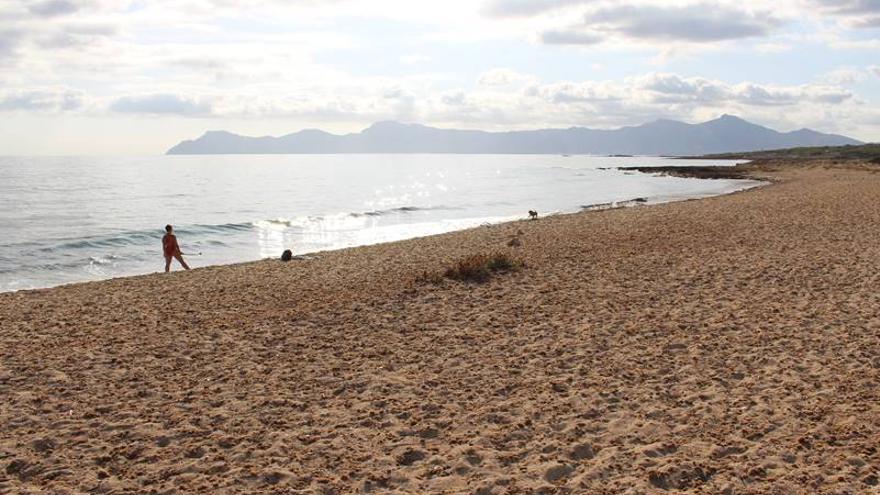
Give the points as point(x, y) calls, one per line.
point(86, 77)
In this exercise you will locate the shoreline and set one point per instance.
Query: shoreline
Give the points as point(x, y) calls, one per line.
point(676, 171)
point(726, 345)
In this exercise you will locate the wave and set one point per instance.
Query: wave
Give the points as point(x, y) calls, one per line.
point(313, 219)
point(402, 209)
point(196, 232)
point(135, 237)
point(87, 262)
point(615, 204)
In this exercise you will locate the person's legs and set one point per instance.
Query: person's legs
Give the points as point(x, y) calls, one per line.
point(180, 259)
point(167, 264)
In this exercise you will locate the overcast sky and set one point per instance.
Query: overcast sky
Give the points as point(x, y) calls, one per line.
point(133, 77)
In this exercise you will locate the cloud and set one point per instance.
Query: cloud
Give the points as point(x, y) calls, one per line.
point(671, 88)
point(850, 7)
point(845, 76)
point(698, 23)
point(857, 13)
point(454, 99)
point(502, 77)
point(76, 35)
point(9, 41)
point(674, 89)
point(53, 8)
point(868, 23)
point(402, 102)
point(41, 100)
point(525, 8)
point(572, 92)
point(570, 37)
point(161, 104)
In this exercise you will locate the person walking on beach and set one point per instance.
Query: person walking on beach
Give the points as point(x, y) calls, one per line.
point(171, 249)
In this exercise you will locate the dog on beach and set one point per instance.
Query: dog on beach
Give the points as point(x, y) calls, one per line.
point(533, 215)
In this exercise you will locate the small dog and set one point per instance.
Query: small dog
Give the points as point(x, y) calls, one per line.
point(533, 215)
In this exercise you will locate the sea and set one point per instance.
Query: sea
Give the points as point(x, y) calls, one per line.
point(75, 219)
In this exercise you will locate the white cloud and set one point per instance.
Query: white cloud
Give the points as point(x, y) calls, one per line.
point(674, 89)
point(161, 104)
point(845, 76)
point(41, 100)
point(502, 77)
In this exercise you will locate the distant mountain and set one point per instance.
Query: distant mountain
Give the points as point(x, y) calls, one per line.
point(661, 137)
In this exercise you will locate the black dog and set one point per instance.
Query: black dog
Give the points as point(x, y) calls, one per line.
point(533, 215)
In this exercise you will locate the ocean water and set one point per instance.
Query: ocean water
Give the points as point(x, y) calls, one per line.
point(65, 219)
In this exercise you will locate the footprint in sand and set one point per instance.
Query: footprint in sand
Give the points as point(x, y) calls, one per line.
point(473, 458)
point(661, 451)
point(44, 445)
point(557, 472)
point(410, 457)
point(581, 452)
point(722, 452)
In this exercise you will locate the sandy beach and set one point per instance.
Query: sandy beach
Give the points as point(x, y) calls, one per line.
point(728, 345)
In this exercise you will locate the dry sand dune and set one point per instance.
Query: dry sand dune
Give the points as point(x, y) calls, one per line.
point(727, 345)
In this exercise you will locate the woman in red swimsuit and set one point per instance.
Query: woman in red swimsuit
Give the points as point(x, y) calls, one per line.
point(171, 249)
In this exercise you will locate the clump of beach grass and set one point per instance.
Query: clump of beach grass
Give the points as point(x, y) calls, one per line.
point(479, 268)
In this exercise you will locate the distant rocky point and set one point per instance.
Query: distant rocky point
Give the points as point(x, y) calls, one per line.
point(661, 137)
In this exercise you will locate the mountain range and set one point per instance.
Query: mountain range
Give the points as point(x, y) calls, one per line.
point(660, 137)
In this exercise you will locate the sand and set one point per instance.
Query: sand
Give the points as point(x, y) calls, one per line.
point(725, 345)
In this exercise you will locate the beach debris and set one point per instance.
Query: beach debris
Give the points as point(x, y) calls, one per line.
point(287, 255)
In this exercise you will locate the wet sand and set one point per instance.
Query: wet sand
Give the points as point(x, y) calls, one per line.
point(725, 345)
